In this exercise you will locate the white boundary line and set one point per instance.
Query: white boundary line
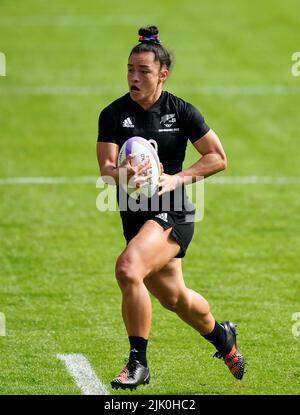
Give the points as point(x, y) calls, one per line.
point(229, 90)
point(93, 179)
point(254, 180)
point(70, 20)
point(83, 374)
point(46, 180)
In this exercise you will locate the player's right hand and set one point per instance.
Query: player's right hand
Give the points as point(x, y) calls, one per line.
point(136, 175)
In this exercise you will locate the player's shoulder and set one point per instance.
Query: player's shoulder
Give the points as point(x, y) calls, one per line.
point(178, 103)
point(116, 106)
point(184, 109)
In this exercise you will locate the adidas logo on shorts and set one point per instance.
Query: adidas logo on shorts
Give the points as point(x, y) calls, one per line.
point(162, 216)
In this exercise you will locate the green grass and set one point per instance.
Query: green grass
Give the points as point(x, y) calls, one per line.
point(58, 290)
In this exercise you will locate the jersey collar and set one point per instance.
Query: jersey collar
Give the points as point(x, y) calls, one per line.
point(155, 107)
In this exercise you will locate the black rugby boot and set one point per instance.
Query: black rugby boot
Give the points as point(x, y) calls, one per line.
point(133, 375)
point(234, 360)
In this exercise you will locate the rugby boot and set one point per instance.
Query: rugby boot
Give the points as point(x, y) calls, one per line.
point(133, 375)
point(234, 360)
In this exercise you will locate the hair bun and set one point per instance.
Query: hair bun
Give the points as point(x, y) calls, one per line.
point(149, 31)
point(149, 42)
point(149, 34)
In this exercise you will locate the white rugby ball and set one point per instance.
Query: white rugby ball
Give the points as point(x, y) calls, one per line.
point(143, 150)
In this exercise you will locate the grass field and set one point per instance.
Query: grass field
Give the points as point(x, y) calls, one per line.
point(66, 61)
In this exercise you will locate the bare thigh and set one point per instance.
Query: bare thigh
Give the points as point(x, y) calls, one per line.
point(167, 284)
point(149, 251)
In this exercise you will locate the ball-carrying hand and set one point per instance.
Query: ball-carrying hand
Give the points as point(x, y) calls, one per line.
point(136, 175)
point(168, 182)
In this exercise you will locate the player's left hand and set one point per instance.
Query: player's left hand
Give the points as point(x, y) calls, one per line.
point(167, 183)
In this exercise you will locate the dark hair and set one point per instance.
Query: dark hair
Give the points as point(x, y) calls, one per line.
point(149, 42)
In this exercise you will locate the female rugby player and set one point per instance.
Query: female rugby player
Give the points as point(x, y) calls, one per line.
point(157, 240)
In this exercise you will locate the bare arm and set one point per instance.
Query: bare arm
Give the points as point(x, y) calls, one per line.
point(212, 161)
point(107, 155)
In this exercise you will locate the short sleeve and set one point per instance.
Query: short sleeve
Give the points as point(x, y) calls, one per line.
point(108, 126)
point(195, 126)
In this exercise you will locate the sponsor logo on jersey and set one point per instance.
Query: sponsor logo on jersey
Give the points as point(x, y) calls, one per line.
point(167, 129)
point(162, 216)
point(127, 123)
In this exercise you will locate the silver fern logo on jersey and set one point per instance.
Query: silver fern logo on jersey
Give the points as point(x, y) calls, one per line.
point(168, 120)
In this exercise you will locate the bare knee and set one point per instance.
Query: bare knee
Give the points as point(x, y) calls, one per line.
point(127, 271)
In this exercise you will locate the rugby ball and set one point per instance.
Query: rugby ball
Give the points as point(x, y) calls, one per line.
point(143, 150)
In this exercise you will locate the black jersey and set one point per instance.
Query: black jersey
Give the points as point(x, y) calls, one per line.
point(170, 122)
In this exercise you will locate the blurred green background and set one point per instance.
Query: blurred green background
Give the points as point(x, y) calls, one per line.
point(65, 62)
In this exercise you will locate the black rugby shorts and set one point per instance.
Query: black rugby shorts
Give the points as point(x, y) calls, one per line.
point(182, 226)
